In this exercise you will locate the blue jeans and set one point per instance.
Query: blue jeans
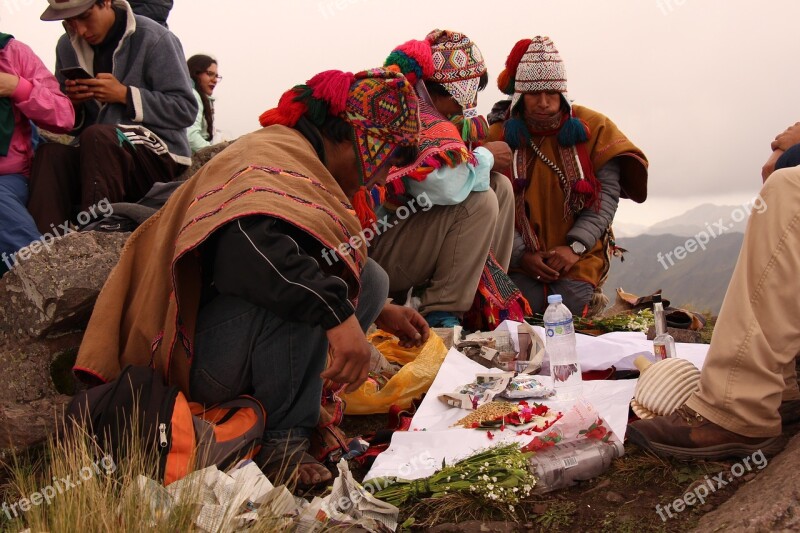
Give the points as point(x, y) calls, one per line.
point(17, 228)
point(241, 348)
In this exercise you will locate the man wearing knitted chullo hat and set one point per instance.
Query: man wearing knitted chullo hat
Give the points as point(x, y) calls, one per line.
point(224, 290)
point(570, 167)
point(472, 206)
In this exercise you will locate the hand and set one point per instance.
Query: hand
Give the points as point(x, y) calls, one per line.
point(788, 138)
point(404, 322)
point(8, 84)
point(769, 166)
point(107, 89)
point(534, 264)
point(350, 354)
point(502, 155)
point(563, 259)
point(77, 92)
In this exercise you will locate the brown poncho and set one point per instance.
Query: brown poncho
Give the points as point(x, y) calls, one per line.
point(146, 312)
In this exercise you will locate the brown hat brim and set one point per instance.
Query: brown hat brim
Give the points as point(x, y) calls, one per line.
point(51, 14)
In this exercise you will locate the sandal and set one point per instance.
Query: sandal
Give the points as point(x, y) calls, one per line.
point(282, 461)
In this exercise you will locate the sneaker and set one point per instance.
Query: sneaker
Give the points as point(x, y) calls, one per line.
point(442, 319)
point(686, 434)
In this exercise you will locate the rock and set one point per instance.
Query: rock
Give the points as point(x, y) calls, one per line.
point(28, 365)
point(768, 503)
point(24, 425)
point(53, 292)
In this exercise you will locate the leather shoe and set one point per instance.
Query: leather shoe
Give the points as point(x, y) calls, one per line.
point(686, 434)
point(790, 412)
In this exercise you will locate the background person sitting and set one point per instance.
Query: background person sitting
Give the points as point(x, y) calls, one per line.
point(203, 71)
point(28, 92)
point(444, 249)
point(571, 165)
point(131, 116)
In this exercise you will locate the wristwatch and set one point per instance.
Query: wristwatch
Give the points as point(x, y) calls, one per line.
point(578, 247)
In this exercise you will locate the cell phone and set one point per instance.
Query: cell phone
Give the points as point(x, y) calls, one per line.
point(75, 73)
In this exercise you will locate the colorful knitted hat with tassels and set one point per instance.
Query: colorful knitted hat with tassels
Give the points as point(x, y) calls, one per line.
point(440, 141)
point(379, 104)
point(458, 66)
point(540, 69)
point(534, 65)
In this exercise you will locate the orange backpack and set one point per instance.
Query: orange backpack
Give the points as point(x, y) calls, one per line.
point(185, 435)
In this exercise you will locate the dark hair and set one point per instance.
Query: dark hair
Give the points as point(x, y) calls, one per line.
point(197, 65)
point(335, 129)
point(439, 90)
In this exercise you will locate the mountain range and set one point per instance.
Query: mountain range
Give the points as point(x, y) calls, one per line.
point(689, 257)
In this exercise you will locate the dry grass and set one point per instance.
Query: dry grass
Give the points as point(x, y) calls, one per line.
point(458, 507)
point(82, 489)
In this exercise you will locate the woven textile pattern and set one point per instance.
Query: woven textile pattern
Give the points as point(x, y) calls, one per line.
point(458, 65)
point(540, 69)
point(383, 112)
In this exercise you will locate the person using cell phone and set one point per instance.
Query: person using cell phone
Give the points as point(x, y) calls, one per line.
point(132, 111)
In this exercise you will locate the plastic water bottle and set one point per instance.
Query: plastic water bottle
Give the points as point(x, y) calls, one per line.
point(566, 463)
point(560, 346)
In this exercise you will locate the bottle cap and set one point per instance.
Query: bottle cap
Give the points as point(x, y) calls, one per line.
point(554, 299)
point(656, 298)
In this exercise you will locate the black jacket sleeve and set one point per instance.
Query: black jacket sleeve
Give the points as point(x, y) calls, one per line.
point(258, 259)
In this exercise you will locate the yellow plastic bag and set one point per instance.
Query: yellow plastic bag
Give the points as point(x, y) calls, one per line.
point(413, 380)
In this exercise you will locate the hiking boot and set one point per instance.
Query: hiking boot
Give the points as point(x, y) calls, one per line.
point(790, 412)
point(442, 319)
point(687, 435)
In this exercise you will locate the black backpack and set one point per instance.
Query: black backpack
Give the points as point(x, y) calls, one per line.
point(185, 435)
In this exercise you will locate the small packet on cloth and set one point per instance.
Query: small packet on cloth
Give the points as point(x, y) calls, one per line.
point(525, 386)
point(481, 391)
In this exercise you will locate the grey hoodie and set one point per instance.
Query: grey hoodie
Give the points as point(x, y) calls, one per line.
point(149, 60)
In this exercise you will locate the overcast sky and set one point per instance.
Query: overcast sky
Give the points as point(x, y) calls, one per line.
point(702, 86)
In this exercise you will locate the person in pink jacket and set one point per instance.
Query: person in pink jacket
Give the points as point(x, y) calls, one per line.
point(28, 93)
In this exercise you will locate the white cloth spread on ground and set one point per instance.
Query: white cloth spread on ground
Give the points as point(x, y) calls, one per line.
point(420, 451)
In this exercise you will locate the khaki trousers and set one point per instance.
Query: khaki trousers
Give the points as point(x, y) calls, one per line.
point(750, 366)
point(503, 240)
point(445, 247)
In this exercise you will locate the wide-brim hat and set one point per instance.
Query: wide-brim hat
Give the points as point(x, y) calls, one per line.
point(64, 9)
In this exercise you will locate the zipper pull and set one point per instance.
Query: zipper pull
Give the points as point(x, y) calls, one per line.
point(162, 435)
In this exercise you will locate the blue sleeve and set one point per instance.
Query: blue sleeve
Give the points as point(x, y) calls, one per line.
point(450, 186)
